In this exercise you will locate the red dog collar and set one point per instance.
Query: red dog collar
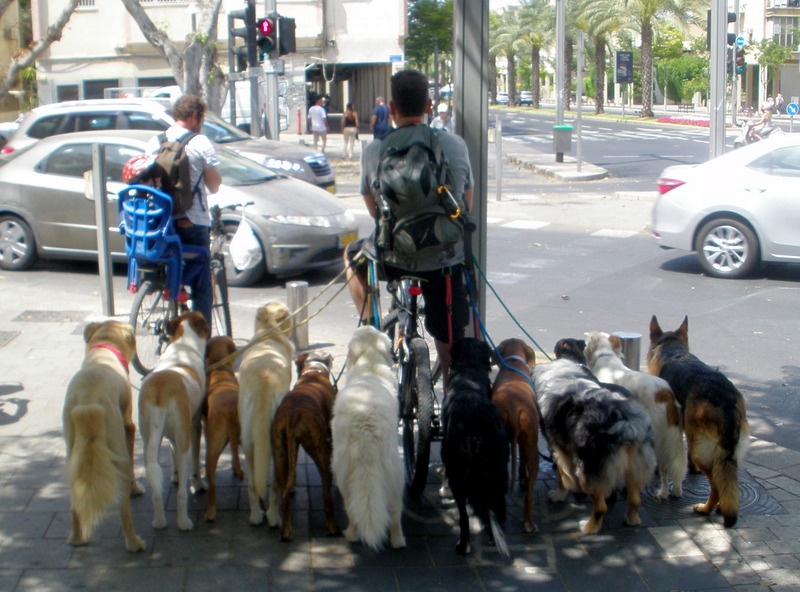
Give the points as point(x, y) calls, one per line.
point(114, 351)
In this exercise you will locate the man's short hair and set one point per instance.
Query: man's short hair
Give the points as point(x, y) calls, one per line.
point(187, 106)
point(410, 93)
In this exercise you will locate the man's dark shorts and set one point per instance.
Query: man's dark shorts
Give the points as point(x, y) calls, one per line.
point(434, 291)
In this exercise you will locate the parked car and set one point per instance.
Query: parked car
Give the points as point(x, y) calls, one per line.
point(7, 128)
point(501, 98)
point(45, 214)
point(735, 211)
point(526, 97)
point(110, 114)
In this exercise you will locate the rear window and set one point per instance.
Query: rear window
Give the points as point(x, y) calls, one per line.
point(46, 127)
point(144, 121)
point(781, 162)
point(90, 122)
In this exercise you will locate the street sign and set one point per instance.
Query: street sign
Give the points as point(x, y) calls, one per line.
point(740, 41)
point(791, 109)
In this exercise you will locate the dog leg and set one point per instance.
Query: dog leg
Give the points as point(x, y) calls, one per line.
point(273, 515)
point(599, 509)
point(132, 541)
point(663, 490)
point(322, 458)
point(184, 460)
point(197, 483)
point(215, 443)
point(463, 546)
point(76, 538)
point(396, 538)
point(256, 513)
point(233, 436)
point(154, 476)
point(130, 439)
point(634, 502)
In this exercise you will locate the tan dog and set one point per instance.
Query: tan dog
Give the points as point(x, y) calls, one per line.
point(171, 404)
point(265, 376)
point(304, 418)
point(512, 394)
point(604, 358)
point(99, 433)
point(221, 414)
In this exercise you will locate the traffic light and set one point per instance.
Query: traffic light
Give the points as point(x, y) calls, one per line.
point(739, 60)
point(266, 38)
point(729, 60)
point(730, 38)
point(286, 36)
point(241, 56)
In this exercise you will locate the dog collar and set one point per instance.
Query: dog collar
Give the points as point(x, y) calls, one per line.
point(517, 359)
point(114, 351)
point(316, 367)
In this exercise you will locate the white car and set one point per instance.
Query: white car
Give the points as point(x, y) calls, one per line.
point(735, 211)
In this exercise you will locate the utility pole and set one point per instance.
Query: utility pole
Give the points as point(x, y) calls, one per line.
point(718, 36)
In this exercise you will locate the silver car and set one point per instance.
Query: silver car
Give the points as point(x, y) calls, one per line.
point(734, 211)
point(44, 212)
point(110, 114)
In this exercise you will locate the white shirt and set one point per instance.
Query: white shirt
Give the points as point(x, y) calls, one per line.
point(318, 119)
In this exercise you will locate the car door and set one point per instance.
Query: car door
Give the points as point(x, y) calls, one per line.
point(773, 184)
point(56, 198)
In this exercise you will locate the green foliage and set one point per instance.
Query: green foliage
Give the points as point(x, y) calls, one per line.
point(430, 24)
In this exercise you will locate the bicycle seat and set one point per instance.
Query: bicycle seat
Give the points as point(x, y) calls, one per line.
point(145, 215)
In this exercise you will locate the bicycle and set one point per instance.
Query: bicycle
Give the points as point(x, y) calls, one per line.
point(157, 263)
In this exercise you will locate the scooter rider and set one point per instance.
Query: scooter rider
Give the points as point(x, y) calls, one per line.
point(765, 121)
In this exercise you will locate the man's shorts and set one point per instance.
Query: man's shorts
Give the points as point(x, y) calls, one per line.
point(434, 292)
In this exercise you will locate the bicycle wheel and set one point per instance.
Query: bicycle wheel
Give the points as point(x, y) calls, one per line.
point(417, 409)
point(149, 313)
point(220, 307)
point(388, 326)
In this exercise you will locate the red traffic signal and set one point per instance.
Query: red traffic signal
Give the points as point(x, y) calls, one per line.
point(739, 60)
point(267, 38)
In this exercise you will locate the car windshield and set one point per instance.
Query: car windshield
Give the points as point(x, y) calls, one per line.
point(222, 132)
point(237, 170)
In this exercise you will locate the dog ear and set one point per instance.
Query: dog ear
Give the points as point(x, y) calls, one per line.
point(300, 362)
point(655, 329)
point(199, 324)
point(581, 344)
point(90, 330)
point(683, 331)
point(530, 354)
point(616, 343)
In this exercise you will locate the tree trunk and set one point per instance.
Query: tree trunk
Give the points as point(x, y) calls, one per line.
point(536, 82)
point(599, 75)
point(512, 78)
point(647, 70)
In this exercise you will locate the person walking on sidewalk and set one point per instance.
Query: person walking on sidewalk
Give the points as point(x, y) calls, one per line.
point(379, 122)
point(194, 226)
point(318, 123)
point(442, 121)
point(409, 105)
point(349, 130)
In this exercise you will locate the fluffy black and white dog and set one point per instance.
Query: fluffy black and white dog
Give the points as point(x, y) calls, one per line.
point(599, 437)
point(475, 446)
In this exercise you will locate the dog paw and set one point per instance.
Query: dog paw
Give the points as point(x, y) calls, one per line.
point(198, 485)
point(77, 541)
point(662, 493)
point(273, 518)
point(530, 527)
point(135, 545)
point(256, 518)
point(633, 520)
point(557, 495)
point(677, 490)
point(211, 515)
point(351, 534)
point(589, 526)
point(159, 523)
point(136, 488)
point(702, 509)
point(463, 548)
point(184, 523)
point(398, 542)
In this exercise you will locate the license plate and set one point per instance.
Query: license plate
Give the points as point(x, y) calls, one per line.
point(346, 239)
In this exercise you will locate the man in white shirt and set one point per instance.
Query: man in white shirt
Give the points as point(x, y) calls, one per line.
point(318, 123)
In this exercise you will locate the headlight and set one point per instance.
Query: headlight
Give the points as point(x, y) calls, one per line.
point(277, 164)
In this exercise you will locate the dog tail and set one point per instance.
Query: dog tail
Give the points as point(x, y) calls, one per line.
point(94, 479)
point(153, 433)
point(725, 472)
point(263, 414)
point(285, 447)
point(498, 536)
point(367, 505)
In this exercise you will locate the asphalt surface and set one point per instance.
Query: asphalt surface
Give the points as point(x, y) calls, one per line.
point(41, 348)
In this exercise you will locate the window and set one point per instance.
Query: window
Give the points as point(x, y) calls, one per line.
point(94, 121)
point(142, 121)
point(69, 161)
point(782, 162)
point(116, 157)
point(784, 29)
point(46, 127)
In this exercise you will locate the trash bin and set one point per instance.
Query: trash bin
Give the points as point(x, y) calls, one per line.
point(562, 140)
point(631, 348)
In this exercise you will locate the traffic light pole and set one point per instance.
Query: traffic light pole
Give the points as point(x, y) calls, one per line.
point(271, 84)
point(718, 36)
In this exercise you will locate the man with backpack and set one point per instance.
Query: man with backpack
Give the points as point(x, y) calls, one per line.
point(191, 217)
point(417, 184)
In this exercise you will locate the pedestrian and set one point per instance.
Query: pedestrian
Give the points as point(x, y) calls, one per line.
point(409, 106)
point(349, 130)
point(779, 103)
point(442, 121)
point(193, 227)
point(318, 123)
point(379, 122)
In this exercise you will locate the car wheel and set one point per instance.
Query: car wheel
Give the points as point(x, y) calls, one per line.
point(238, 277)
point(17, 245)
point(727, 248)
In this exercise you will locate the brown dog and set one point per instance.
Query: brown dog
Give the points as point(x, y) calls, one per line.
point(99, 433)
point(512, 394)
point(304, 418)
point(220, 414)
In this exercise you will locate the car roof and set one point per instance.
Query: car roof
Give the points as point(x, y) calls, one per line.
point(100, 137)
point(88, 104)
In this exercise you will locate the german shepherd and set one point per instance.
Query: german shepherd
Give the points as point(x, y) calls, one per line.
point(714, 416)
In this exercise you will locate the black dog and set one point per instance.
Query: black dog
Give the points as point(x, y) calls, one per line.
point(475, 446)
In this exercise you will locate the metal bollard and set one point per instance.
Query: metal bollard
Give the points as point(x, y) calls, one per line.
point(297, 301)
point(631, 347)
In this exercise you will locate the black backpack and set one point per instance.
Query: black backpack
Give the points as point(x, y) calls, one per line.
point(171, 172)
point(420, 223)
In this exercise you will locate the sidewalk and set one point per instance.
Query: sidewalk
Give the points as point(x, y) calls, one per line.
point(41, 347)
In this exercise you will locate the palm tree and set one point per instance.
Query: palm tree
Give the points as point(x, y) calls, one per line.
point(538, 18)
point(646, 14)
point(601, 20)
point(508, 41)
